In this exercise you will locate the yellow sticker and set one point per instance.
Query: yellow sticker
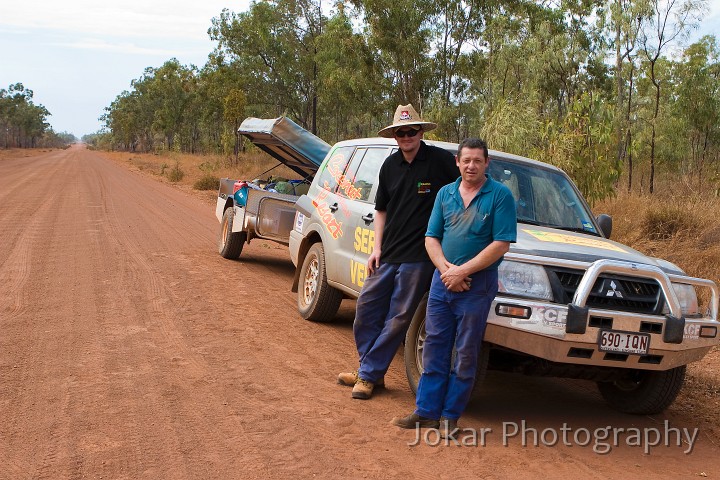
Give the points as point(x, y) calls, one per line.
point(573, 240)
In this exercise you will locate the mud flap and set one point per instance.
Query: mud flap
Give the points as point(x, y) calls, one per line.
point(577, 319)
point(674, 329)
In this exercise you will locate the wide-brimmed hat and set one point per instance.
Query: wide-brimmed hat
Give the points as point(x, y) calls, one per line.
point(406, 116)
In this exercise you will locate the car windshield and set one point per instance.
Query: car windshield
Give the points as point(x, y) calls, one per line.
point(543, 197)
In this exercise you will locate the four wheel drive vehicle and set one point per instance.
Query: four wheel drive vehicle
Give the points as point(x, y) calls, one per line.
point(571, 302)
point(245, 210)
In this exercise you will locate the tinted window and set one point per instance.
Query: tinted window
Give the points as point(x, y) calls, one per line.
point(366, 175)
point(334, 169)
point(543, 197)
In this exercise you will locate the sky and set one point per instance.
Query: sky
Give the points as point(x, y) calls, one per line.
point(77, 56)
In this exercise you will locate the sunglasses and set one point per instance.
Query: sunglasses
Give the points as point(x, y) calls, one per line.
point(406, 133)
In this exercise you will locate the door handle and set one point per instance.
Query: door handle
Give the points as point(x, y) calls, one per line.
point(333, 208)
point(368, 218)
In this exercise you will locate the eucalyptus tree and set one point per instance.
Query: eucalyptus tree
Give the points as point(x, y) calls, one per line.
point(669, 21)
point(216, 80)
point(22, 123)
point(400, 33)
point(351, 83)
point(698, 102)
point(171, 87)
point(625, 20)
point(273, 46)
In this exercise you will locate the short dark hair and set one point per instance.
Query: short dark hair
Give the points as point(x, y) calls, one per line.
point(474, 143)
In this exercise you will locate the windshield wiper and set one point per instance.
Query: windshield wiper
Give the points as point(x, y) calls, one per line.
point(530, 222)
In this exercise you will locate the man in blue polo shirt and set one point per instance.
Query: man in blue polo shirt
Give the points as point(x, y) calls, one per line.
point(472, 225)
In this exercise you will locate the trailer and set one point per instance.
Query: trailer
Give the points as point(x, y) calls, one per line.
point(248, 209)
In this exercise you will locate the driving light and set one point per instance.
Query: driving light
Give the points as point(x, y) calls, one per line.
point(687, 297)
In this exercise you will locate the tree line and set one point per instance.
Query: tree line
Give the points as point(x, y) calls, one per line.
point(600, 88)
point(24, 124)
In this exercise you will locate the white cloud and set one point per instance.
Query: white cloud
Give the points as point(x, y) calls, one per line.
point(154, 18)
point(121, 47)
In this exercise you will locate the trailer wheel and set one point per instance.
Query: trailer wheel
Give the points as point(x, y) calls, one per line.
point(415, 344)
point(317, 301)
point(230, 244)
point(643, 392)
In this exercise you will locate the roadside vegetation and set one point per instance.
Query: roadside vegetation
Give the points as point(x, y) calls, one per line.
point(24, 124)
point(612, 92)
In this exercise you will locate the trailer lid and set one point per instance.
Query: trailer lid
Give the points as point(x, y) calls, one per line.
point(288, 142)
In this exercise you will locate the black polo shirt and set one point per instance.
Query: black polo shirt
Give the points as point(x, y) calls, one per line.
point(406, 192)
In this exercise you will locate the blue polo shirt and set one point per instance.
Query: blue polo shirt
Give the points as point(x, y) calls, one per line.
point(465, 232)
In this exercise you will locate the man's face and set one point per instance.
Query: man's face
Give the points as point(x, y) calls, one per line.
point(405, 141)
point(472, 164)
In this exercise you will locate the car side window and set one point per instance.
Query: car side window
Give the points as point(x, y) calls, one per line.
point(365, 175)
point(334, 168)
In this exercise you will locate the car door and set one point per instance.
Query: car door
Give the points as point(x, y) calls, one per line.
point(362, 210)
point(328, 216)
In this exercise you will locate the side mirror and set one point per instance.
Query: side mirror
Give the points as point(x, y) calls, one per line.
point(605, 222)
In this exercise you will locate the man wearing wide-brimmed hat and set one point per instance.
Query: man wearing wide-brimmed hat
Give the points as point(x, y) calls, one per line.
point(399, 269)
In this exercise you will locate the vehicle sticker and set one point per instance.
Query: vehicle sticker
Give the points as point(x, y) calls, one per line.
point(572, 240)
point(692, 330)
point(344, 183)
point(552, 317)
point(358, 272)
point(340, 200)
point(327, 217)
point(299, 220)
point(588, 226)
point(364, 240)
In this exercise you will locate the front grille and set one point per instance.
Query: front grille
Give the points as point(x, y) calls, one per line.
point(613, 292)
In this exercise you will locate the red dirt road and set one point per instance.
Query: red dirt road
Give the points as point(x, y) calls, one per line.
point(130, 349)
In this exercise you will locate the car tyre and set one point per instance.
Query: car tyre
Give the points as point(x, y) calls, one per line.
point(230, 244)
point(643, 392)
point(317, 301)
point(414, 345)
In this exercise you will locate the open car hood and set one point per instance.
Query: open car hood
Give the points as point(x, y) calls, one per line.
point(288, 142)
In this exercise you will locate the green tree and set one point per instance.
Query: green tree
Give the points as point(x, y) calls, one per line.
point(273, 45)
point(234, 112)
point(670, 20)
point(698, 102)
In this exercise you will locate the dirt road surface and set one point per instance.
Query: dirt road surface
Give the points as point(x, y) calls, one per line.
point(130, 349)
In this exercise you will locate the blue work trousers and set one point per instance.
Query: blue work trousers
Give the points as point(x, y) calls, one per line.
point(454, 319)
point(384, 310)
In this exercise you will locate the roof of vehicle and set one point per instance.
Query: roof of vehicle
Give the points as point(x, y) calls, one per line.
point(450, 146)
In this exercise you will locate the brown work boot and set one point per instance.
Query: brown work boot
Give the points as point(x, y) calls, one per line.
point(349, 379)
point(363, 389)
point(448, 427)
point(414, 420)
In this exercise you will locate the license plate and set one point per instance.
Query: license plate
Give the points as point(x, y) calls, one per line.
point(623, 342)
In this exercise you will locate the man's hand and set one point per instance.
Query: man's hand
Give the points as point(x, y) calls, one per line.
point(455, 279)
point(373, 261)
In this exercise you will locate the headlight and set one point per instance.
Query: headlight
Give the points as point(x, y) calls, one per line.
point(524, 279)
point(687, 297)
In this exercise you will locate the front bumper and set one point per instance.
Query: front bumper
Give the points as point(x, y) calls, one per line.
point(543, 331)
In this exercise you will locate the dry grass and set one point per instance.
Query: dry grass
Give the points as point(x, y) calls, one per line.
point(681, 227)
point(195, 172)
point(6, 153)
